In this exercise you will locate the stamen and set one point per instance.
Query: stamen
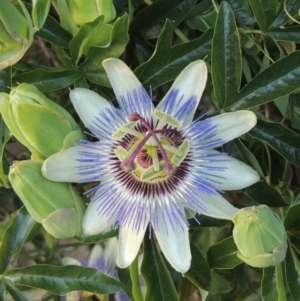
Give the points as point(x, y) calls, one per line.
point(168, 166)
point(165, 118)
point(127, 129)
point(184, 149)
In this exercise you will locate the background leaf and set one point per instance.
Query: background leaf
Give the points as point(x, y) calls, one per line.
point(14, 238)
point(264, 11)
point(151, 20)
point(40, 10)
point(292, 276)
point(280, 138)
point(281, 78)
point(199, 272)
point(47, 81)
point(159, 284)
point(223, 255)
point(226, 57)
point(167, 62)
point(61, 280)
point(54, 33)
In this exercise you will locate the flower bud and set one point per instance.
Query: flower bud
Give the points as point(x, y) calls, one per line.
point(259, 236)
point(73, 13)
point(56, 205)
point(36, 121)
point(16, 32)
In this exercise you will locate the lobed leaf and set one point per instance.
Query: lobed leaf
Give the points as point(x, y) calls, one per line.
point(167, 62)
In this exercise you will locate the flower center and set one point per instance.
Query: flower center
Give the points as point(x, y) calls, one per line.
point(151, 155)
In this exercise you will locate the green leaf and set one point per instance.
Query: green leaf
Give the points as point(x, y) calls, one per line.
point(226, 57)
point(151, 20)
point(280, 138)
point(242, 12)
point(14, 293)
point(281, 78)
point(5, 80)
point(167, 62)
point(61, 280)
point(268, 285)
point(14, 238)
point(264, 11)
point(247, 156)
point(223, 255)
point(199, 272)
point(206, 221)
point(47, 81)
point(98, 77)
point(92, 239)
point(5, 136)
point(134, 275)
point(84, 38)
point(53, 32)
point(40, 10)
point(294, 110)
point(292, 6)
point(219, 285)
point(116, 46)
point(291, 275)
point(159, 284)
point(263, 193)
point(289, 34)
point(124, 277)
point(292, 221)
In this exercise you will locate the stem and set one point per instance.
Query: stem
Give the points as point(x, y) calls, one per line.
point(215, 5)
point(134, 275)
point(181, 35)
point(130, 10)
point(280, 281)
point(148, 2)
point(269, 161)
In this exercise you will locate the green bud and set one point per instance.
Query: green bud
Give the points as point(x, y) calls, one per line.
point(73, 13)
point(36, 121)
point(259, 236)
point(16, 32)
point(56, 205)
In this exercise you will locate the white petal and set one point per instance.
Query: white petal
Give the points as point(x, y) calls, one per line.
point(174, 243)
point(65, 166)
point(225, 172)
point(183, 98)
point(94, 221)
point(130, 94)
point(216, 206)
point(129, 243)
point(88, 105)
point(95, 256)
point(232, 125)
